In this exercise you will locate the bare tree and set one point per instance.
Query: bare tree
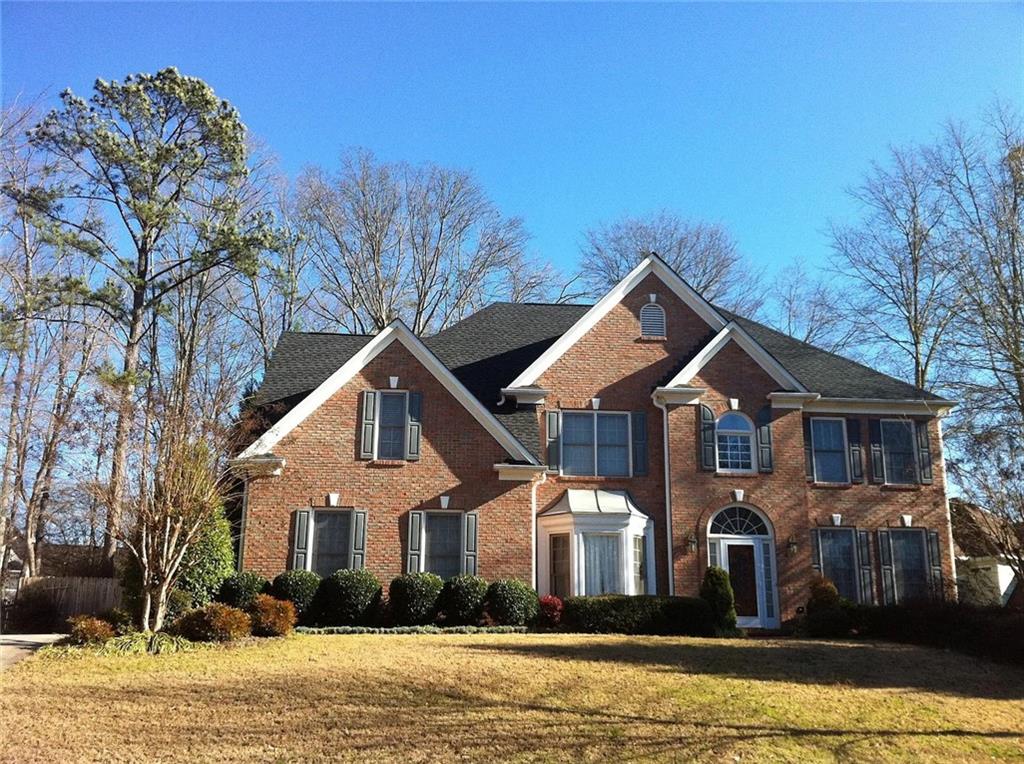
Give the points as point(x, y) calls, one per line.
point(897, 259)
point(809, 309)
point(421, 243)
point(704, 254)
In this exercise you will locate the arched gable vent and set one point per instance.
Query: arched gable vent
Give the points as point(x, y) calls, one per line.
point(652, 320)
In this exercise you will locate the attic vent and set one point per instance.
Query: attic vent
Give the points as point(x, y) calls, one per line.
point(652, 320)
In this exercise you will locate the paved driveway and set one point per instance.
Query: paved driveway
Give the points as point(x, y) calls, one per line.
point(16, 647)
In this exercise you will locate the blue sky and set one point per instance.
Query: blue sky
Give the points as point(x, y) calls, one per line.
point(756, 116)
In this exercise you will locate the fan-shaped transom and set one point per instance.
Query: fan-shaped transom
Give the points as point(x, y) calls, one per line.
point(739, 521)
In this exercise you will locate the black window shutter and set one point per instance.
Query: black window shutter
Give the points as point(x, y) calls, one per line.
point(639, 425)
point(867, 578)
point(357, 547)
point(808, 452)
point(815, 551)
point(924, 453)
point(414, 560)
point(888, 577)
point(935, 563)
point(856, 450)
point(707, 438)
point(764, 439)
point(413, 426)
point(553, 440)
point(368, 429)
point(877, 459)
point(300, 541)
point(469, 554)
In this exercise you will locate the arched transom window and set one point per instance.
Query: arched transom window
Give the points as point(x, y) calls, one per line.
point(734, 435)
point(739, 521)
point(652, 320)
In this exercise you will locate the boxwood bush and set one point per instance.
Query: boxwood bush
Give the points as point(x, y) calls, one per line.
point(511, 603)
point(716, 591)
point(240, 590)
point(345, 598)
point(412, 598)
point(298, 587)
point(624, 614)
point(461, 601)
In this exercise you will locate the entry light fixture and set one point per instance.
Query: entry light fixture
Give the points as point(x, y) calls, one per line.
point(791, 545)
point(691, 543)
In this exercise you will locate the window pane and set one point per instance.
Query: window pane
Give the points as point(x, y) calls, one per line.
point(560, 565)
point(734, 452)
point(909, 565)
point(391, 440)
point(839, 560)
point(829, 450)
point(601, 559)
point(830, 466)
point(612, 444)
point(331, 542)
point(444, 544)
point(898, 449)
point(639, 566)
point(578, 444)
point(734, 422)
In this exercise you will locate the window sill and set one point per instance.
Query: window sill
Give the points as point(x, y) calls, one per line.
point(593, 478)
point(833, 486)
point(738, 473)
point(387, 463)
point(652, 338)
point(900, 486)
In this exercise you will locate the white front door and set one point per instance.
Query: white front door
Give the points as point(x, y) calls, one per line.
point(745, 561)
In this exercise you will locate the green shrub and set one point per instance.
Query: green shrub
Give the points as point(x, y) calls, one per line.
point(828, 614)
point(624, 614)
point(824, 595)
point(298, 587)
point(120, 620)
point(510, 602)
point(272, 617)
point(209, 561)
point(345, 598)
point(215, 622)
point(240, 589)
point(413, 598)
point(461, 600)
point(716, 590)
point(86, 630)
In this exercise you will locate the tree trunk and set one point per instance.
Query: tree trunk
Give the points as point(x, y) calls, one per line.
point(147, 605)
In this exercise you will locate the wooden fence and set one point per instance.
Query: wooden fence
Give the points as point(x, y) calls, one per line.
point(75, 595)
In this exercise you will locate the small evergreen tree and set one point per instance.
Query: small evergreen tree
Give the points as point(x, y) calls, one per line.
point(716, 590)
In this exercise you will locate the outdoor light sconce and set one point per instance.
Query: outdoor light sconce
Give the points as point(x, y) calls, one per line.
point(691, 543)
point(791, 545)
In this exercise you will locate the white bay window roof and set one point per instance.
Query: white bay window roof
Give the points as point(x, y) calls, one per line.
point(579, 501)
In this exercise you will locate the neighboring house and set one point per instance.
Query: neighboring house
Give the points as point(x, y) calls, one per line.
point(619, 447)
point(984, 576)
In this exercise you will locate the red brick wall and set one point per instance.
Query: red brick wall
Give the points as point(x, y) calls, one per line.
point(457, 460)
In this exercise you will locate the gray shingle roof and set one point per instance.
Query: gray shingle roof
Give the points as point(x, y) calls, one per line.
point(490, 348)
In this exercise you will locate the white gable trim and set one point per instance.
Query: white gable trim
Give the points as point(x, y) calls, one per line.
point(733, 332)
point(602, 307)
point(396, 331)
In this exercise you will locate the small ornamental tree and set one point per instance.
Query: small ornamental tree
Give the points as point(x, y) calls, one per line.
point(716, 590)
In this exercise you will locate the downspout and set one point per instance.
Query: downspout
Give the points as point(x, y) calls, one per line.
point(668, 493)
point(241, 529)
point(533, 527)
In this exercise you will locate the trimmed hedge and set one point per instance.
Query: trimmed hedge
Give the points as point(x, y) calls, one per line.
point(511, 603)
point(345, 598)
point(462, 600)
point(241, 589)
point(298, 587)
point(413, 598)
point(624, 614)
point(424, 629)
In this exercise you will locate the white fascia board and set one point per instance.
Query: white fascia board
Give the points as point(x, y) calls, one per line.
point(679, 396)
point(525, 395)
point(520, 473)
point(908, 407)
point(792, 400)
point(735, 333)
point(400, 332)
point(602, 307)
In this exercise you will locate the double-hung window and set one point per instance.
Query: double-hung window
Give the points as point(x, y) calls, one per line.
point(601, 560)
point(838, 549)
point(828, 441)
point(909, 564)
point(560, 583)
point(595, 443)
point(391, 426)
point(898, 452)
point(443, 541)
point(734, 438)
point(332, 541)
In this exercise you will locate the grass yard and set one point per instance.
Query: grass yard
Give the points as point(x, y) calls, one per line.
point(516, 697)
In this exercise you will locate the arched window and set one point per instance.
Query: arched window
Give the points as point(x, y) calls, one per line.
point(652, 320)
point(734, 437)
point(739, 521)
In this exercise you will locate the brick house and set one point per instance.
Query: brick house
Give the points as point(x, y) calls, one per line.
point(618, 447)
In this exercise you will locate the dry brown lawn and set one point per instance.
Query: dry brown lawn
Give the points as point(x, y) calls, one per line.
point(516, 697)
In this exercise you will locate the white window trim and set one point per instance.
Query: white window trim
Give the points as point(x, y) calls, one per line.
point(377, 429)
point(311, 532)
point(753, 445)
point(596, 414)
point(757, 541)
point(664, 320)
point(913, 451)
point(462, 536)
point(846, 450)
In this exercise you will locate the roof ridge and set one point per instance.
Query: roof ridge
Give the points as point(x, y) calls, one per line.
point(326, 333)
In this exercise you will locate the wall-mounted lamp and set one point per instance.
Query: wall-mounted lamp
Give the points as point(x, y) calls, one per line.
point(691, 543)
point(791, 545)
